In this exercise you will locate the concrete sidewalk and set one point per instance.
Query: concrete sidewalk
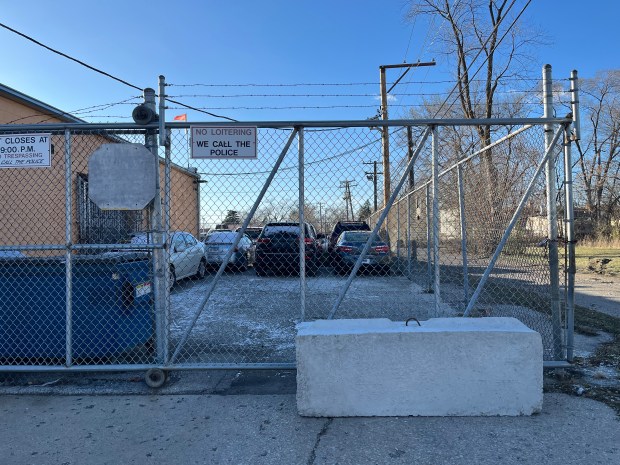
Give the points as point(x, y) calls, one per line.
point(231, 418)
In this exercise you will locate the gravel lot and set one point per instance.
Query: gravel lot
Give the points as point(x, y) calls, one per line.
point(252, 319)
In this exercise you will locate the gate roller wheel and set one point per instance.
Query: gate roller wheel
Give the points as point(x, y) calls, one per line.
point(155, 377)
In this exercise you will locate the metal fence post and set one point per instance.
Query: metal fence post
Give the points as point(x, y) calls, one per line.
point(158, 255)
point(409, 251)
point(570, 217)
point(459, 178)
point(68, 260)
point(552, 219)
point(164, 139)
point(398, 234)
point(435, 184)
point(429, 270)
point(302, 242)
point(570, 245)
point(165, 321)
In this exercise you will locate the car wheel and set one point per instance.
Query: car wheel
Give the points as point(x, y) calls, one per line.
point(202, 269)
point(260, 271)
point(172, 278)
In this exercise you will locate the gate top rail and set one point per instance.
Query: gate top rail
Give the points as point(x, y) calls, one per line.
point(290, 124)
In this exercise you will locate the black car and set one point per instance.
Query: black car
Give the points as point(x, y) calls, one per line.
point(349, 247)
point(277, 249)
point(342, 226)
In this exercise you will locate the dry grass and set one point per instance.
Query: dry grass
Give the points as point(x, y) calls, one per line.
point(600, 243)
point(598, 257)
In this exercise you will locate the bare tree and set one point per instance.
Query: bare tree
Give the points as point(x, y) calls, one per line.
point(273, 210)
point(479, 36)
point(599, 154)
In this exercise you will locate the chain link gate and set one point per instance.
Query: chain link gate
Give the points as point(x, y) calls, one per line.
point(462, 231)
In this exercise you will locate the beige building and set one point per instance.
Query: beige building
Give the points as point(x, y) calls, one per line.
point(32, 198)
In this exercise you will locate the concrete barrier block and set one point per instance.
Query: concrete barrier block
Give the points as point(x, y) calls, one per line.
point(445, 367)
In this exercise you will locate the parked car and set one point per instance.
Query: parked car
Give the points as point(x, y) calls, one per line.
point(277, 249)
point(187, 255)
point(252, 232)
point(349, 246)
point(342, 226)
point(218, 243)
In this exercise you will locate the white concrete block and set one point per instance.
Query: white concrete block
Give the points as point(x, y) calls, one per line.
point(447, 366)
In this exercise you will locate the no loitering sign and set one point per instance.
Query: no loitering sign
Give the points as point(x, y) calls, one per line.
point(223, 142)
point(25, 151)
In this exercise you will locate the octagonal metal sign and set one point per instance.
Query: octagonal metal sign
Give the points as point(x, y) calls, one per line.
point(122, 177)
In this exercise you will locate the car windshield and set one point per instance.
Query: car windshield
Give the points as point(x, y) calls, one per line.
point(270, 230)
point(221, 237)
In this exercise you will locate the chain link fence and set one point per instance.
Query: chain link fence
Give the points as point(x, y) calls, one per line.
point(446, 247)
point(250, 247)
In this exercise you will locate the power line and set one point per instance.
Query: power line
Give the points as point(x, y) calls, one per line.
point(103, 106)
point(97, 70)
point(69, 57)
point(73, 113)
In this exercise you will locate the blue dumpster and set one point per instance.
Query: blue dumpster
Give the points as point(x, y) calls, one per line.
point(112, 306)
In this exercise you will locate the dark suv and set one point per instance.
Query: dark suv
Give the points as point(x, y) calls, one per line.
point(341, 227)
point(277, 249)
point(252, 232)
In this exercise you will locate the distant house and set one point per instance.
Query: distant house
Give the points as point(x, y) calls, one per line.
point(33, 199)
point(583, 225)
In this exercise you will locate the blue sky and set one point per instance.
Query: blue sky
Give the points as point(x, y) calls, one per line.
point(260, 42)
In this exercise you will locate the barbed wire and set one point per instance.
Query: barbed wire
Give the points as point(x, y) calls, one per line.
point(347, 84)
point(374, 95)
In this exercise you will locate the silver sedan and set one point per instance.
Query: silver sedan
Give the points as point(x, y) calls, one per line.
point(218, 243)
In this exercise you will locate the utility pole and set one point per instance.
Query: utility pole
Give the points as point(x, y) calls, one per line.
point(385, 133)
point(348, 202)
point(372, 176)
